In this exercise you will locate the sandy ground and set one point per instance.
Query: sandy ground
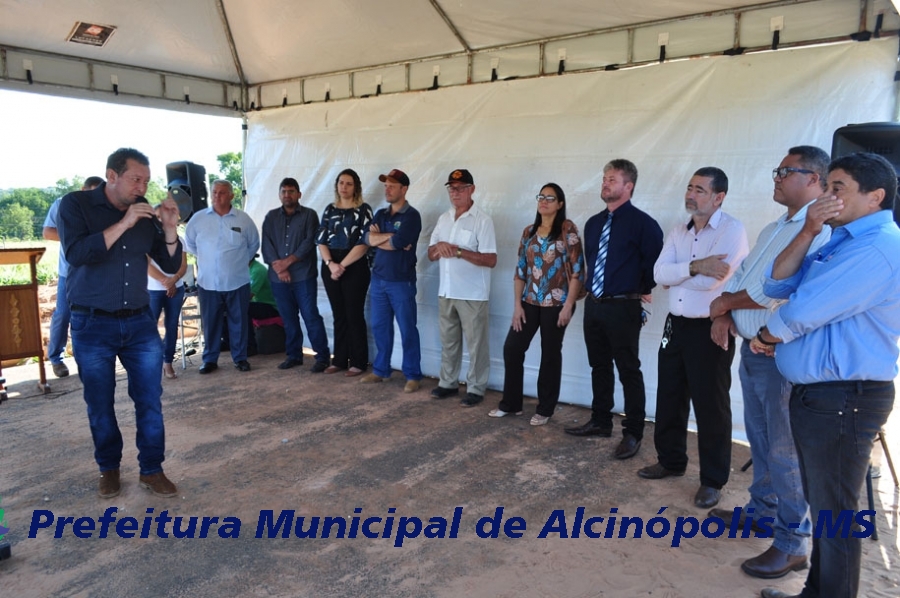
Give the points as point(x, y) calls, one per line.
point(240, 443)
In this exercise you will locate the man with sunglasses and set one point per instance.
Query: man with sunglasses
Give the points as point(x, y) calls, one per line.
point(776, 491)
point(621, 244)
point(465, 247)
point(836, 342)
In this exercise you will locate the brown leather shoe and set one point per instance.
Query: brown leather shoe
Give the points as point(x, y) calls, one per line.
point(773, 564)
point(109, 484)
point(158, 484)
point(658, 472)
point(773, 593)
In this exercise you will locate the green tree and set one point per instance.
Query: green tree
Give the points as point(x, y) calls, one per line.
point(156, 191)
point(16, 222)
point(36, 201)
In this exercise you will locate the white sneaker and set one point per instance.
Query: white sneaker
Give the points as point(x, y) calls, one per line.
point(501, 413)
point(539, 420)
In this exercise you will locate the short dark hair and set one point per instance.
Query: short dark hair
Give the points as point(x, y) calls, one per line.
point(289, 182)
point(626, 167)
point(813, 158)
point(118, 160)
point(871, 172)
point(357, 186)
point(719, 182)
point(92, 182)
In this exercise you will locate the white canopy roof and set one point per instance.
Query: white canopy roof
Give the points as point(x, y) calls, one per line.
point(218, 53)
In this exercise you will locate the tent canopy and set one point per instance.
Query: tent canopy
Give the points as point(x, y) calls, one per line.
point(229, 55)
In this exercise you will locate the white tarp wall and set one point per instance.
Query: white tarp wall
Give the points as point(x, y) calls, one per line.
point(738, 113)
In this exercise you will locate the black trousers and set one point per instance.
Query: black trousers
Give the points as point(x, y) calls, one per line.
point(258, 311)
point(347, 297)
point(612, 331)
point(550, 374)
point(694, 369)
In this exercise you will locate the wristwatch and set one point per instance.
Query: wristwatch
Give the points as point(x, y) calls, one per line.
point(458, 252)
point(328, 262)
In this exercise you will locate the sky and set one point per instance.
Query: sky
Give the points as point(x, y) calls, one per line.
point(47, 138)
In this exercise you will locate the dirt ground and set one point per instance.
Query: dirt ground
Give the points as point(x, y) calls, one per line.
point(241, 443)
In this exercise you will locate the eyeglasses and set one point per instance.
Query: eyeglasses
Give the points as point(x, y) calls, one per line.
point(457, 188)
point(785, 171)
point(547, 198)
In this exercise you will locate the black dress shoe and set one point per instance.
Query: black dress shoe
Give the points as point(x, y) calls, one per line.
point(208, 367)
point(773, 564)
point(773, 593)
point(243, 366)
point(319, 367)
point(591, 428)
point(628, 448)
point(707, 497)
point(440, 392)
point(658, 472)
point(289, 363)
point(471, 399)
point(728, 516)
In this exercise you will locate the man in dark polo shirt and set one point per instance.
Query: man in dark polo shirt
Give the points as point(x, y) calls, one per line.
point(106, 234)
point(392, 293)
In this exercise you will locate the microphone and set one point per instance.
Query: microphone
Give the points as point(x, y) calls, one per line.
point(156, 222)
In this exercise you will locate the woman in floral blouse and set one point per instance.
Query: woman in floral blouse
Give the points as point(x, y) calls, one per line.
point(547, 281)
point(345, 272)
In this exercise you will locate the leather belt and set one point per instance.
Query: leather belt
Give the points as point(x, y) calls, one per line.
point(119, 313)
point(608, 298)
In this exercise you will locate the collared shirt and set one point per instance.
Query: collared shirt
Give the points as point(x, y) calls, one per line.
point(635, 240)
point(224, 245)
point(285, 235)
point(690, 296)
point(343, 228)
point(51, 222)
point(752, 273)
point(398, 265)
point(843, 318)
point(115, 278)
point(546, 266)
point(474, 231)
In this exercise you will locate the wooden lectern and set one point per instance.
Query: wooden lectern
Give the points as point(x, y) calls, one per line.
point(20, 317)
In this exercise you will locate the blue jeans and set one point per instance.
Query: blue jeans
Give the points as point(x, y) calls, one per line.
point(215, 306)
point(172, 306)
point(97, 341)
point(389, 300)
point(834, 426)
point(59, 324)
point(300, 297)
point(777, 490)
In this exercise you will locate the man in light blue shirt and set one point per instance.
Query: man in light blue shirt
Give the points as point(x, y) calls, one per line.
point(59, 323)
point(776, 492)
point(836, 342)
point(224, 239)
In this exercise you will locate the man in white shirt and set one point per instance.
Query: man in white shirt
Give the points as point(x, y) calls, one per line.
point(697, 259)
point(776, 492)
point(464, 244)
point(224, 239)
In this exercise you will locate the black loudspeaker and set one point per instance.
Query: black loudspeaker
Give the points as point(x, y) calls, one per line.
point(187, 184)
point(876, 138)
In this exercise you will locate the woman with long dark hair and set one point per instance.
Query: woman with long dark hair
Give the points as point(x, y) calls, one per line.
point(345, 272)
point(547, 280)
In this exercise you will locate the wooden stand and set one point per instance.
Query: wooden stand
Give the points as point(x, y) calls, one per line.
point(20, 317)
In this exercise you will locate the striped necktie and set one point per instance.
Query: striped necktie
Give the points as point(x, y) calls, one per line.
point(600, 265)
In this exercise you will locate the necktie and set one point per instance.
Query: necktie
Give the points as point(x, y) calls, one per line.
point(600, 265)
